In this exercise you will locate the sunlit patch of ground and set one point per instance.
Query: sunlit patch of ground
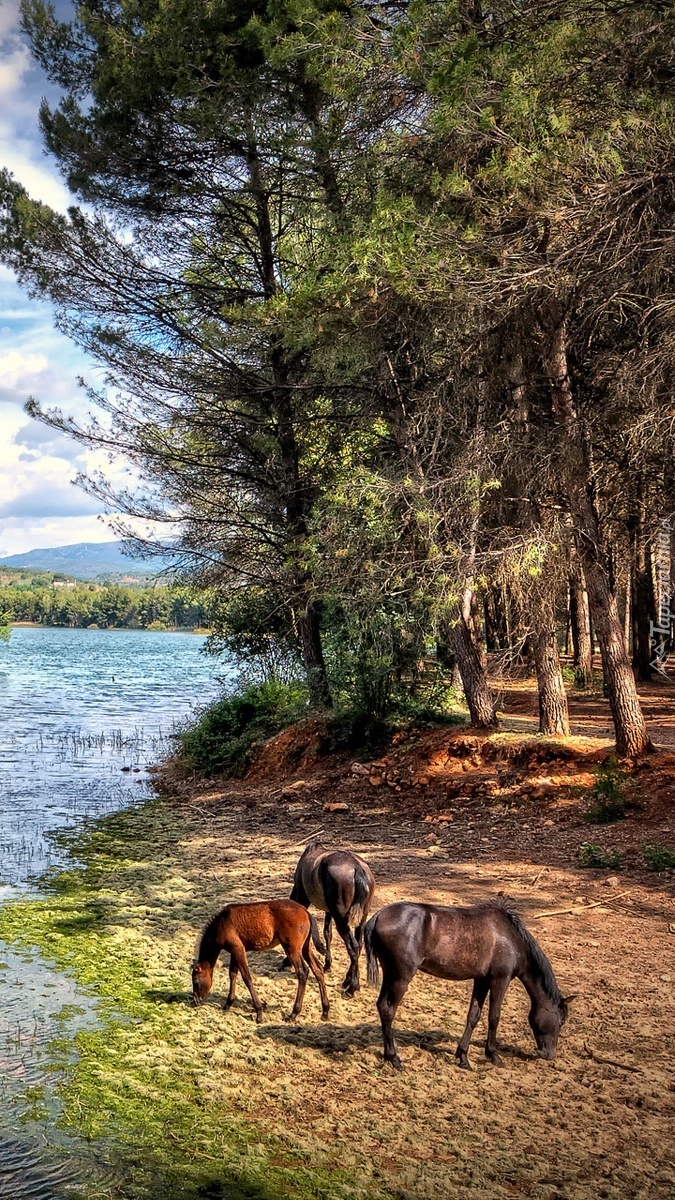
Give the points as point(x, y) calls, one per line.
point(580, 1127)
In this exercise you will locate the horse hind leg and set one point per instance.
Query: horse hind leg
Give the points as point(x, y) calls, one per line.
point(294, 952)
point(480, 991)
point(315, 967)
point(328, 937)
point(351, 982)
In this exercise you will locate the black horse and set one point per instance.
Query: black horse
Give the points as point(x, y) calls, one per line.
point(487, 943)
point(340, 884)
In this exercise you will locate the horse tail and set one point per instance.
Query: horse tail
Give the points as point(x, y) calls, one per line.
point(314, 929)
point(360, 905)
point(372, 964)
point(299, 894)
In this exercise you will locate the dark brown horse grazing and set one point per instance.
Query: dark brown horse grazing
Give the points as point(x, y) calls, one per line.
point(341, 885)
point(259, 926)
point(487, 943)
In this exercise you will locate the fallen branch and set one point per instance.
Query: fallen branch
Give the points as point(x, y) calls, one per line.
point(304, 841)
point(611, 1062)
point(561, 912)
point(538, 876)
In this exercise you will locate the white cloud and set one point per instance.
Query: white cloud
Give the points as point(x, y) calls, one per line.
point(38, 504)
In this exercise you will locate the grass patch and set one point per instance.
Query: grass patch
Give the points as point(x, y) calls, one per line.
point(222, 739)
point(659, 857)
point(161, 1087)
point(590, 854)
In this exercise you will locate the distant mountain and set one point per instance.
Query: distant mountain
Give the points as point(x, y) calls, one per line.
point(87, 560)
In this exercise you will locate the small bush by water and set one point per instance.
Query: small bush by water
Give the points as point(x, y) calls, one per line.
point(221, 741)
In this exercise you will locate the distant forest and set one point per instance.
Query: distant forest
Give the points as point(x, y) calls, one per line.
point(90, 605)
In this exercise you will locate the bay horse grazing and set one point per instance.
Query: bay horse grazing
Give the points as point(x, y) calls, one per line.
point(259, 926)
point(487, 943)
point(340, 884)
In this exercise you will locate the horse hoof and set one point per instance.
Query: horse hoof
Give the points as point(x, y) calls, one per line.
point(258, 1018)
point(496, 1060)
point(395, 1063)
point(324, 1015)
point(327, 966)
point(464, 1064)
point(290, 1018)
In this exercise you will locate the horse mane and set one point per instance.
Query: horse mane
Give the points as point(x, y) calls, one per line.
point(207, 940)
point(312, 844)
point(538, 960)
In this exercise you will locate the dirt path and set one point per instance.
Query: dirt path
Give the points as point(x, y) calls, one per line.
point(589, 711)
point(598, 1122)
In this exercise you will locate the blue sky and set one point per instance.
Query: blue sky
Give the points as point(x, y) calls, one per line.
point(38, 504)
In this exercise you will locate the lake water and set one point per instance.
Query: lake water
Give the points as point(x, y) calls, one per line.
point(82, 713)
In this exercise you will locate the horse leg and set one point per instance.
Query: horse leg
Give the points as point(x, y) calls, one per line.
point(391, 993)
point(301, 970)
point(328, 937)
point(497, 992)
point(351, 980)
point(234, 971)
point(315, 967)
point(239, 955)
point(480, 991)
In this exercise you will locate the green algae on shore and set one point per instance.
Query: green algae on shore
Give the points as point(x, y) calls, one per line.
point(122, 924)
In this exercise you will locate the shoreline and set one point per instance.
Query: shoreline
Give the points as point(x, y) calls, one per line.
point(198, 631)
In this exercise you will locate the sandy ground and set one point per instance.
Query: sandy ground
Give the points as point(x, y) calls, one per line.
point(458, 828)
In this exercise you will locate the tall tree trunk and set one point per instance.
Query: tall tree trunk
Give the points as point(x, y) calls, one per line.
point(476, 626)
point(308, 623)
point(471, 667)
point(553, 713)
point(474, 680)
point(582, 649)
point(642, 595)
point(496, 633)
point(308, 610)
point(629, 724)
point(491, 634)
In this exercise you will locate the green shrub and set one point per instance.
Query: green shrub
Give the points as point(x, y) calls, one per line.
point(659, 858)
point(608, 797)
point(571, 675)
point(220, 741)
point(591, 855)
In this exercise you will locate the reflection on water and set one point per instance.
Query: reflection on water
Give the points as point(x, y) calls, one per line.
point(82, 713)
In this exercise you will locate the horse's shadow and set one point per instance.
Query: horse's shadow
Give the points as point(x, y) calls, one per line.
point(164, 996)
point(339, 1039)
point(333, 1039)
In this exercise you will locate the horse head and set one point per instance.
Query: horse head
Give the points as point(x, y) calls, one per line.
point(202, 979)
point(546, 1018)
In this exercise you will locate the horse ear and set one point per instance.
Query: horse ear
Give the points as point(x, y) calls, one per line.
point(569, 999)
